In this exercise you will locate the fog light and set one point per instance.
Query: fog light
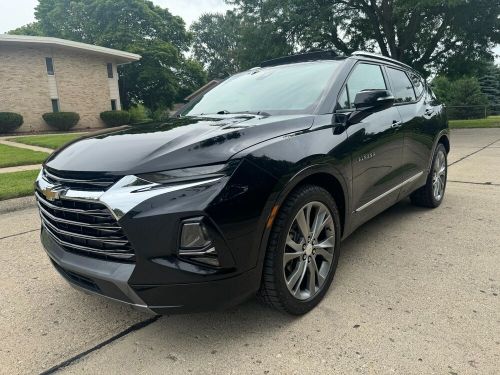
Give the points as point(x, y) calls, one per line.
point(194, 236)
point(196, 244)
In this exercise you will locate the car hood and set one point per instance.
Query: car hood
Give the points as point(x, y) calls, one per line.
point(177, 143)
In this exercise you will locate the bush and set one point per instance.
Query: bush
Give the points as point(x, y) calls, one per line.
point(10, 121)
point(115, 118)
point(61, 120)
point(138, 113)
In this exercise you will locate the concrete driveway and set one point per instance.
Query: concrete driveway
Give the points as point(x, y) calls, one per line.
point(416, 292)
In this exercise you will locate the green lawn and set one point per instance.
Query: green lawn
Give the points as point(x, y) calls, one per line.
point(490, 122)
point(17, 184)
point(13, 156)
point(49, 141)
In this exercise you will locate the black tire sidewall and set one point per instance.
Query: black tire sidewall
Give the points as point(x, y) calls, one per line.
point(290, 303)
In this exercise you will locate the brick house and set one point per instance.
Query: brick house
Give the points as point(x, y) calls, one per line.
point(40, 74)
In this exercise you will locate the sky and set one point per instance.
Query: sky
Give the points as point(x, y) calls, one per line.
point(20, 12)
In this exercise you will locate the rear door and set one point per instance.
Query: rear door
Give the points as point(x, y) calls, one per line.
point(375, 143)
point(418, 119)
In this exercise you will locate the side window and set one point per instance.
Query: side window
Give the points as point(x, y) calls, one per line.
point(364, 77)
point(402, 89)
point(418, 83)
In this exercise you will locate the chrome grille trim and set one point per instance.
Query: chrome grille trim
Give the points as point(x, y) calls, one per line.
point(83, 226)
point(103, 212)
point(84, 236)
point(98, 182)
point(86, 249)
point(76, 223)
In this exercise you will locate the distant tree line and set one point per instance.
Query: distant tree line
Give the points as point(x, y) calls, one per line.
point(448, 39)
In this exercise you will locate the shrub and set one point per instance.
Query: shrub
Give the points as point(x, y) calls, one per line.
point(115, 118)
point(10, 121)
point(138, 113)
point(61, 120)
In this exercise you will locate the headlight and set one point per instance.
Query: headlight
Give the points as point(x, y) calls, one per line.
point(205, 172)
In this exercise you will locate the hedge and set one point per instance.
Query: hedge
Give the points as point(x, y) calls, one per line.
point(115, 118)
point(10, 121)
point(61, 120)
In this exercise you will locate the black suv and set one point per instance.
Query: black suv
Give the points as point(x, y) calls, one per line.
point(249, 190)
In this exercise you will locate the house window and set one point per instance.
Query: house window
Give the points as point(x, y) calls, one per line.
point(55, 105)
point(110, 70)
point(113, 104)
point(50, 66)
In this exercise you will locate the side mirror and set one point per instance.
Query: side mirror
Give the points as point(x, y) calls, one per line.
point(369, 100)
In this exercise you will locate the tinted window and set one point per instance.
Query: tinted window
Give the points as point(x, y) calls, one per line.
point(50, 66)
point(110, 70)
point(418, 83)
point(364, 77)
point(113, 104)
point(402, 89)
point(55, 105)
point(294, 88)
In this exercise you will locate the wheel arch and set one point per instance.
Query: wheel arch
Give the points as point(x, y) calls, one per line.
point(325, 176)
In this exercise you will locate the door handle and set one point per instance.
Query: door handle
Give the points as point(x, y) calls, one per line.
point(396, 124)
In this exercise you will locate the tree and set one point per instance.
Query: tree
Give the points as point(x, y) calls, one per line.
point(490, 86)
point(462, 96)
point(228, 43)
point(423, 33)
point(162, 77)
point(216, 42)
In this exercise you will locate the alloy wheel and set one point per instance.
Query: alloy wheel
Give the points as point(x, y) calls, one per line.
point(309, 250)
point(439, 176)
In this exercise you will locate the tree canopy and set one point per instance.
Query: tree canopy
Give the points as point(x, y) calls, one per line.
point(423, 33)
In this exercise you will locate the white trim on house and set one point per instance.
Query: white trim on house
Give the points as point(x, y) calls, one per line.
point(121, 57)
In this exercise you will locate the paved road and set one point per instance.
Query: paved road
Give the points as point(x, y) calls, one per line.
point(416, 291)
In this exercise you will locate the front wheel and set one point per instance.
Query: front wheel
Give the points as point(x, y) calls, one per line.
point(432, 193)
point(303, 251)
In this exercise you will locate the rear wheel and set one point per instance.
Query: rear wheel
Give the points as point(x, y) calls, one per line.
point(432, 193)
point(303, 251)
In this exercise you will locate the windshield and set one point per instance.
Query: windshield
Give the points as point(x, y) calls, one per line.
point(294, 88)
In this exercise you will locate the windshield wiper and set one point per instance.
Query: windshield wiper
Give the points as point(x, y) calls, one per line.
point(258, 113)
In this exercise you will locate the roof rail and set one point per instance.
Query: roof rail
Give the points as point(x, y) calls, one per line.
point(380, 57)
point(301, 57)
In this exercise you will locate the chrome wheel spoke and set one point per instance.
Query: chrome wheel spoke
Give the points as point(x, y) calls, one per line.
point(295, 276)
point(289, 257)
point(311, 283)
point(303, 223)
point(293, 245)
point(324, 253)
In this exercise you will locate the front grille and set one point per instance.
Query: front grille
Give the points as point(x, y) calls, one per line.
point(86, 228)
point(86, 182)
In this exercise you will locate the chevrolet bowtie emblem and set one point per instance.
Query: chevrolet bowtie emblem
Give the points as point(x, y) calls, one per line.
point(52, 193)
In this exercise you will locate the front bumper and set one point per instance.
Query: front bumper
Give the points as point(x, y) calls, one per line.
point(157, 279)
point(111, 280)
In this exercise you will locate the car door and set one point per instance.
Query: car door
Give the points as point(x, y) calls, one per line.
point(418, 116)
point(375, 143)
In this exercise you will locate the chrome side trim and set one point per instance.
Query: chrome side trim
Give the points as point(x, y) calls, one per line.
point(411, 179)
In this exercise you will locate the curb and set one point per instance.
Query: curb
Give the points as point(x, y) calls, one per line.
point(17, 204)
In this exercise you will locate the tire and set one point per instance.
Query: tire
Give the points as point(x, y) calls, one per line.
point(426, 196)
point(299, 298)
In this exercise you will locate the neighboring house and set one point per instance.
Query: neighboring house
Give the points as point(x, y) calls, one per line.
point(40, 74)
